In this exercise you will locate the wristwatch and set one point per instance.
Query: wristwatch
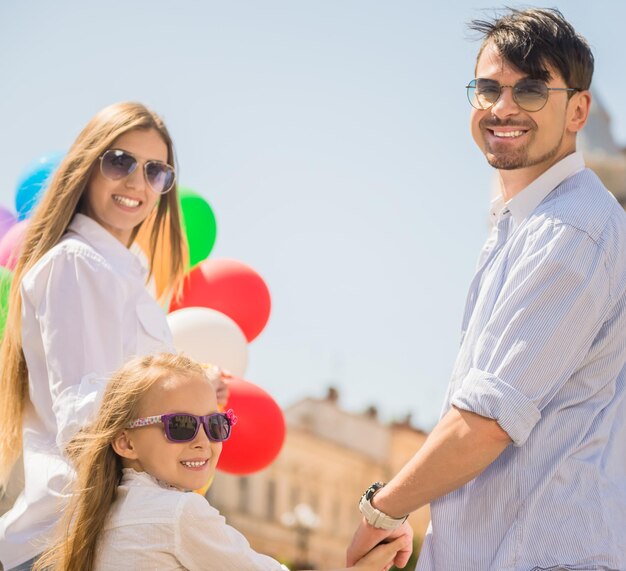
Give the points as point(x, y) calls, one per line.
point(375, 517)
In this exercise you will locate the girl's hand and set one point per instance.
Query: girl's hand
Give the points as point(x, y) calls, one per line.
point(222, 391)
point(381, 557)
point(219, 379)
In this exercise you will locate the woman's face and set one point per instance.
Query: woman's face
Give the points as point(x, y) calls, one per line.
point(120, 205)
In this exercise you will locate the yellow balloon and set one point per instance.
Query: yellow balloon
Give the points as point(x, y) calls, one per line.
point(203, 490)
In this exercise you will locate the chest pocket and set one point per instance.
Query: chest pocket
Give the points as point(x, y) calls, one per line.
point(153, 333)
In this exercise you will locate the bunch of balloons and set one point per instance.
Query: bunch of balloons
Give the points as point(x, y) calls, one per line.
point(223, 306)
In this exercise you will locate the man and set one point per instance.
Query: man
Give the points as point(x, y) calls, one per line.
point(526, 469)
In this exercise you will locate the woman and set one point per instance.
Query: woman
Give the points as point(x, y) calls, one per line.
point(79, 308)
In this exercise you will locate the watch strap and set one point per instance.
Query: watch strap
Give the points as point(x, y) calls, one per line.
point(375, 517)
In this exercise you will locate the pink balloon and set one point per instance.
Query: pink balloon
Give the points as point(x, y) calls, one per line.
point(7, 219)
point(11, 244)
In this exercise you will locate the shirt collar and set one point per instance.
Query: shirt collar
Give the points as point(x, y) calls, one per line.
point(133, 478)
point(106, 244)
point(524, 203)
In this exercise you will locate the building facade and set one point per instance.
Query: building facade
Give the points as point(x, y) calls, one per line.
point(329, 458)
point(602, 154)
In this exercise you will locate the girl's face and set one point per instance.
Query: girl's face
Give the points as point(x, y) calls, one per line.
point(120, 205)
point(185, 465)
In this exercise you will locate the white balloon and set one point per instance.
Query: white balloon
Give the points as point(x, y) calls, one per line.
point(209, 336)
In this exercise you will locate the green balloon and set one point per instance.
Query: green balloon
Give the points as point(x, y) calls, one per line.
point(199, 224)
point(5, 285)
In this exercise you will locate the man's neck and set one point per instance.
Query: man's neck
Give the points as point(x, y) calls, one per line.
point(512, 182)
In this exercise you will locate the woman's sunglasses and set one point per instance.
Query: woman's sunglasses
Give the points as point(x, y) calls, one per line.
point(183, 427)
point(116, 164)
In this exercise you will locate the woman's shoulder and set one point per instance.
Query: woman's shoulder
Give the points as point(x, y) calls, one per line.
point(71, 250)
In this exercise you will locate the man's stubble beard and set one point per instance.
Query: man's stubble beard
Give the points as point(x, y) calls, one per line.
point(519, 158)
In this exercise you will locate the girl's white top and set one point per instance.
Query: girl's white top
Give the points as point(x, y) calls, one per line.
point(154, 526)
point(85, 312)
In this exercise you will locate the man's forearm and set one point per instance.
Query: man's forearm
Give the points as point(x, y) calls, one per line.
point(458, 449)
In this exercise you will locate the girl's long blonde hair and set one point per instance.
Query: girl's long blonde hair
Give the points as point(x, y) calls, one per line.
point(98, 467)
point(52, 217)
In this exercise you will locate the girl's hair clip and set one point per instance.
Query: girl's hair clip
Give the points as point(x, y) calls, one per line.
point(230, 415)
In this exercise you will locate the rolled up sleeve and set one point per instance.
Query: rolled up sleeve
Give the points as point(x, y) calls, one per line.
point(550, 307)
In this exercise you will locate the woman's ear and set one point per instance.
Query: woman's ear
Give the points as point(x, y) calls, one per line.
point(123, 446)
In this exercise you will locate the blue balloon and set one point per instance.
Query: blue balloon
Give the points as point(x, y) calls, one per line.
point(32, 183)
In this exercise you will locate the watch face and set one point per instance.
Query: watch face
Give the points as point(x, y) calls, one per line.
point(369, 493)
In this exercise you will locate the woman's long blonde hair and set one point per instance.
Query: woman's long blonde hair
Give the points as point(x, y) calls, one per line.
point(98, 467)
point(52, 217)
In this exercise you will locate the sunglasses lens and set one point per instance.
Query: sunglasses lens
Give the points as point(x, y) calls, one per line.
point(531, 94)
point(484, 93)
point(117, 164)
point(218, 427)
point(160, 176)
point(182, 427)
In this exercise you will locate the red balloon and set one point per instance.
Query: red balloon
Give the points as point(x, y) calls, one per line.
point(11, 244)
point(232, 288)
point(258, 436)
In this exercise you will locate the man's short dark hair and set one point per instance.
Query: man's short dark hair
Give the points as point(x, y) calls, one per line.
point(530, 39)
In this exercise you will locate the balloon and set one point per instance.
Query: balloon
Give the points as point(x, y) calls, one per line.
point(209, 336)
point(5, 285)
point(32, 183)
point(259, 434)
point(11, 243)
point(204, 489)
point(199, 223)
point(6, 220)
point(232, 288)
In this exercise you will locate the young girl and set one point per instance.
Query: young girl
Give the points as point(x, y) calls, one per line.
point(78, 306)
point(157, 435)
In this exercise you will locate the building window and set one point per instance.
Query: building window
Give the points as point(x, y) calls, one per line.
point(244, 494)
point(295, 496)
point(271, 500)
point(336, 518)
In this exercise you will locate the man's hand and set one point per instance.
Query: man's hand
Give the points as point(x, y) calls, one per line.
point(367, 537)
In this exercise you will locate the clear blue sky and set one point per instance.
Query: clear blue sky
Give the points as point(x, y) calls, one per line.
point(331, 138)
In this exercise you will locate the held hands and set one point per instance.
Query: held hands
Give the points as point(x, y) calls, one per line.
point(368, 538)
point(382, 557)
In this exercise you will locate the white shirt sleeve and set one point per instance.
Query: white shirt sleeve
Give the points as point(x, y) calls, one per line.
point(79, 305)
point(204, 539)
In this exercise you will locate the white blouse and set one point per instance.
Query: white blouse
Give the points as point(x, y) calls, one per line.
point(155, 526)
point(85, 311)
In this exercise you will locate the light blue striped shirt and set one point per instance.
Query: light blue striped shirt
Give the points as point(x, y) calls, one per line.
point(543, 352)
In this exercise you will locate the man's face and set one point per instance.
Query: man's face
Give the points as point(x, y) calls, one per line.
point(512, 138)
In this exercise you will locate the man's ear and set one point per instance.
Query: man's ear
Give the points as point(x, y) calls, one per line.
point(578, 111)
point(123, 446)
